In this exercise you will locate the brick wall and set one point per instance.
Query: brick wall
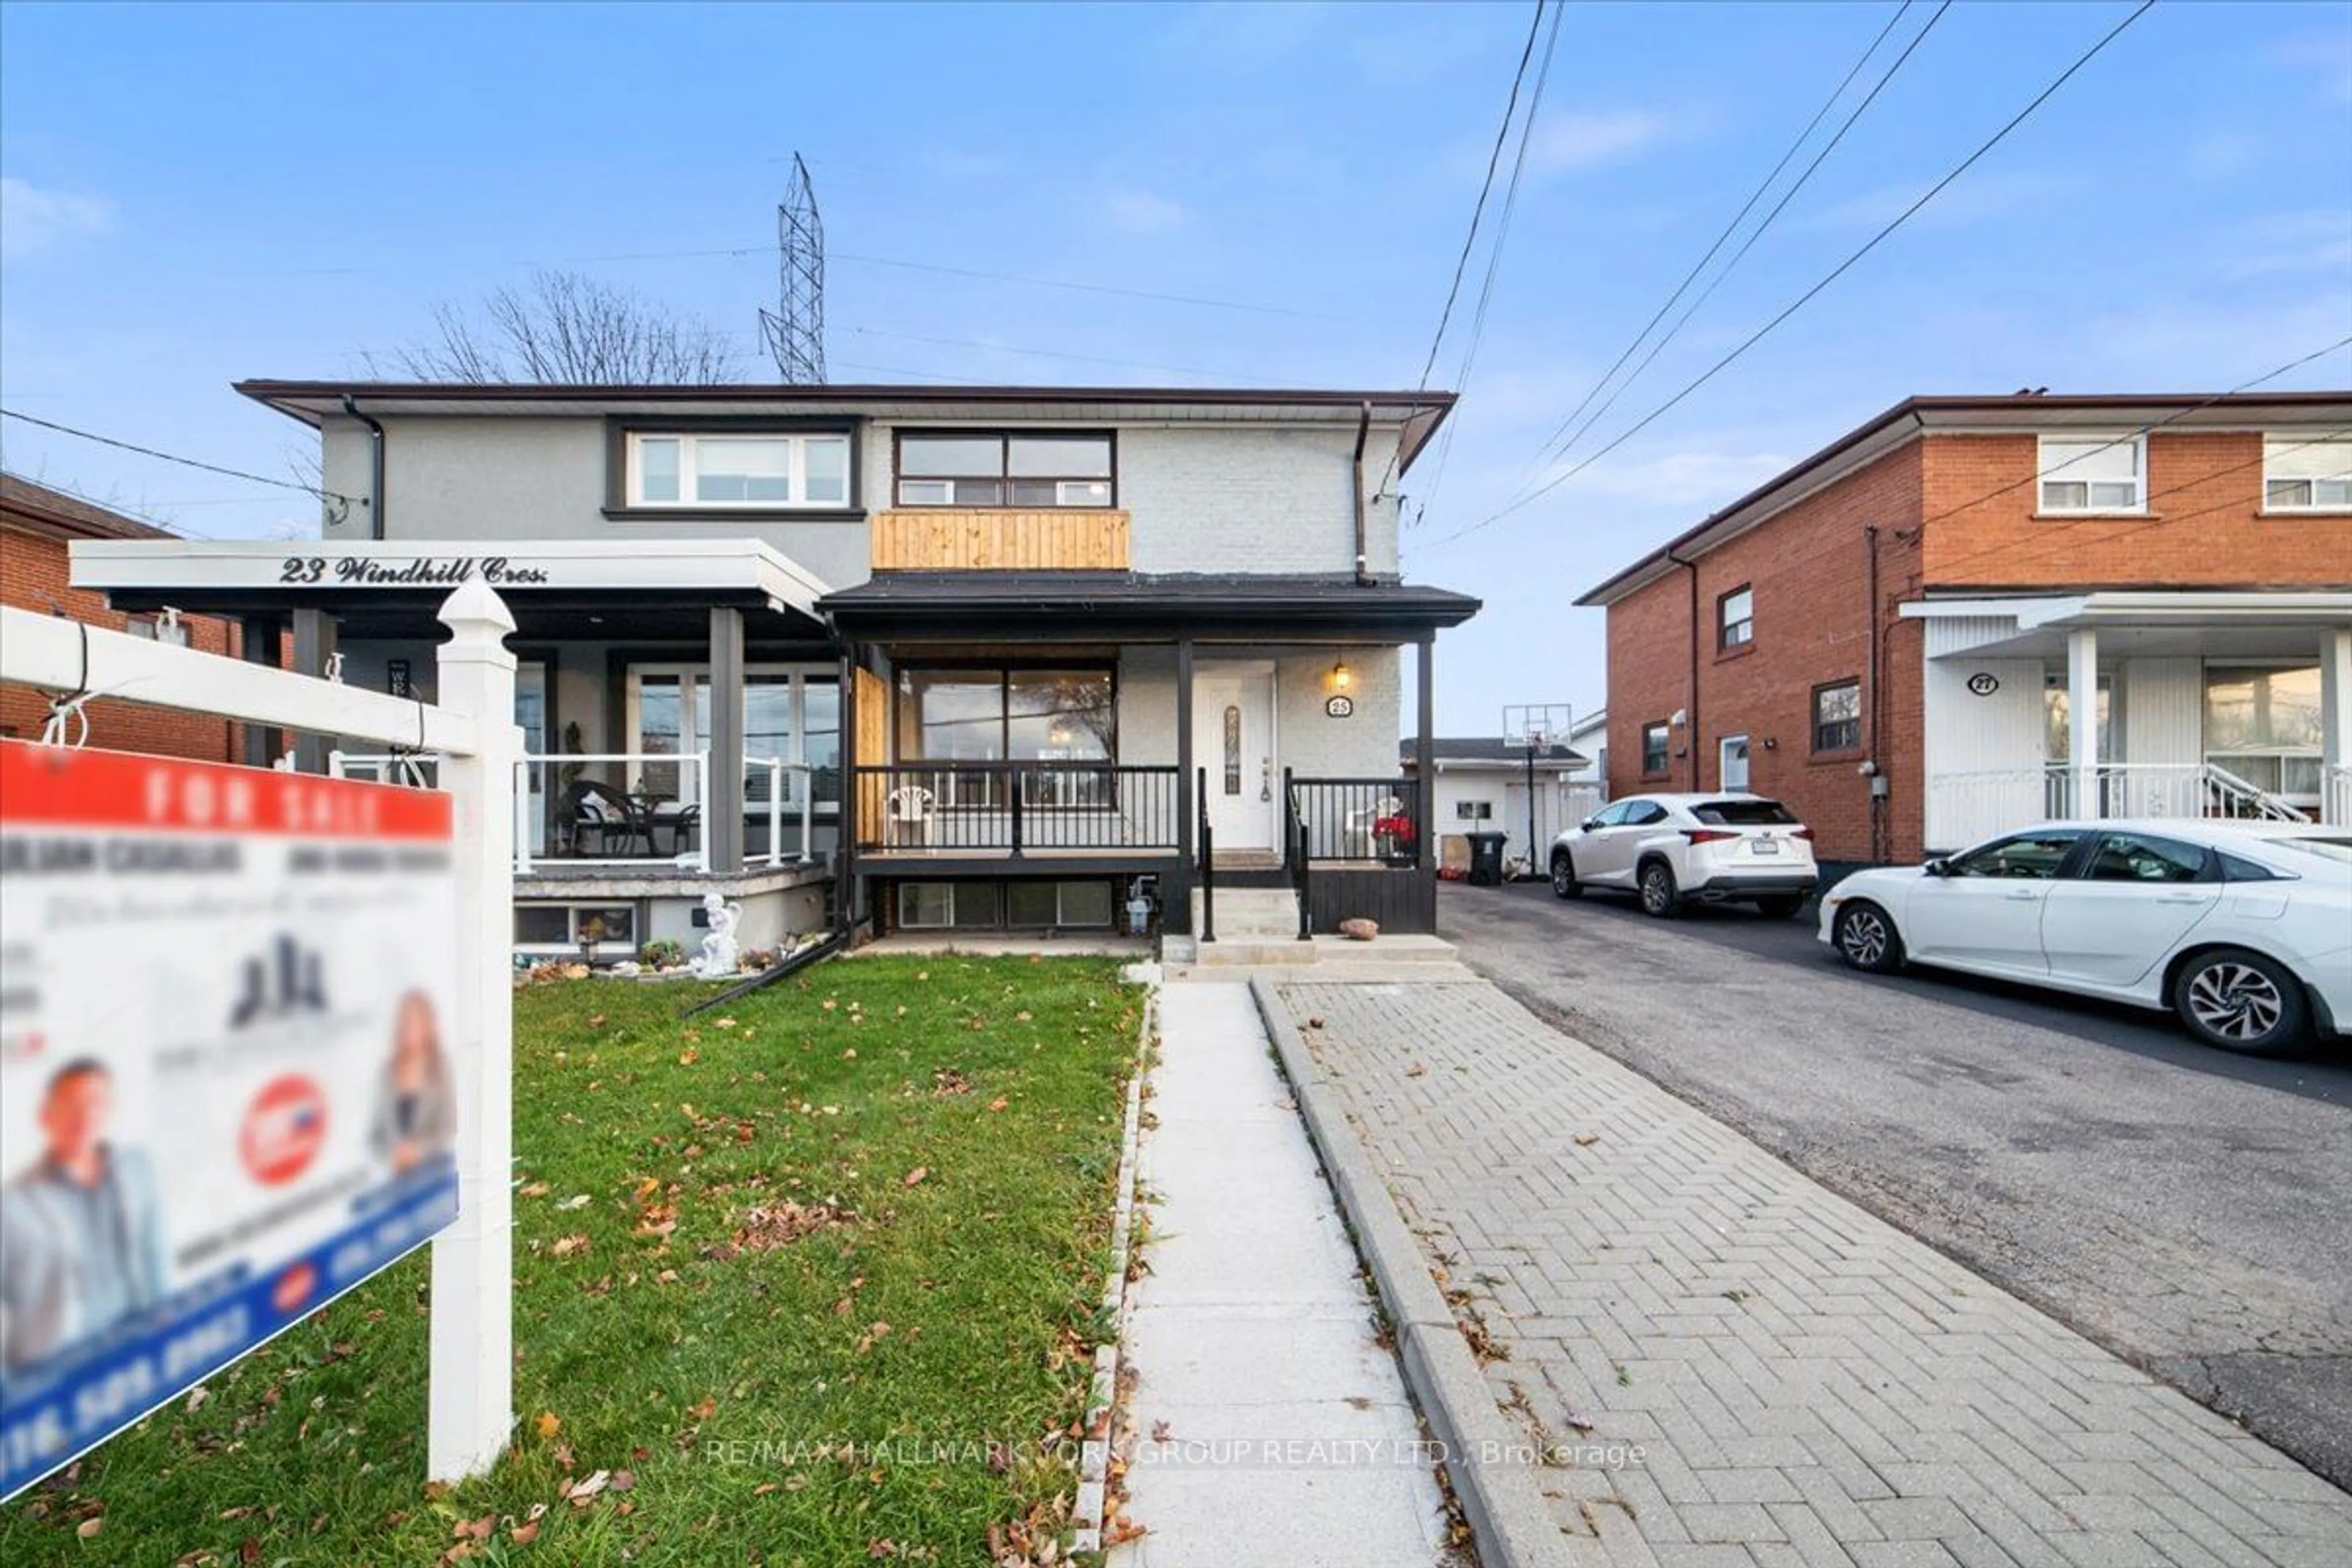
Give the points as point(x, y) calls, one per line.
point(1808, 570)
point(2204, 525)
point(34, 576)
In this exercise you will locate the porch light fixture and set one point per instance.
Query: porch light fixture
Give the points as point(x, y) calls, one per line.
point(1342, 676)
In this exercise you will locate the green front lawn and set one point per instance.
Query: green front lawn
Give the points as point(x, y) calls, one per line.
point(868, 1206)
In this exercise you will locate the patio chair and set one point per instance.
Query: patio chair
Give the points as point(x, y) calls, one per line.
point(596, 813)
point(906, 812)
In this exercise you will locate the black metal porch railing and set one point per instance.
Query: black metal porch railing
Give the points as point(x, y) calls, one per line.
point(1015, 808)
point(1361, 824)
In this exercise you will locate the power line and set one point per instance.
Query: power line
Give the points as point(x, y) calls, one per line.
point(1833, 276)
point(1479, 212)
point(174, 457)
point(1495, 251)
point(1741, 216)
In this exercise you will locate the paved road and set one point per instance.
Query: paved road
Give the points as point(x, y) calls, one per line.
point(2186, 1208)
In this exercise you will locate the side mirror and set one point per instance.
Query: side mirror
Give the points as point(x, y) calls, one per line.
point(1588, 823)
point(1937, 868)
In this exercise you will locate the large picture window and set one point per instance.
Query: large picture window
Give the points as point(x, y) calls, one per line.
point(2265, 725)
point(789, 714)
point(744, 472)
point(1005, 468)
point(1012, 715)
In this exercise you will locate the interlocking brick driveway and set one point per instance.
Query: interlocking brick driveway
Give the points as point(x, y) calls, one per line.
point(1809, 1384)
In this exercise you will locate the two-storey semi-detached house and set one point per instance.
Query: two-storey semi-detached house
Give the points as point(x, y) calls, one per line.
point(1971, 614)
point(921, 657)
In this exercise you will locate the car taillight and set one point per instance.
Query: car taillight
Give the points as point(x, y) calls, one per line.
point(1708, 834)
point(1804, 833)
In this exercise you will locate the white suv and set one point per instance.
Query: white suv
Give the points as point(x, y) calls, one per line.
point(1675, 849)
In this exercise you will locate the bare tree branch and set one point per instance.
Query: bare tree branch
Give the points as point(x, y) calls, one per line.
point(564, 328)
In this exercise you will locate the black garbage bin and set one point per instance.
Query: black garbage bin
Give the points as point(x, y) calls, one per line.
point(1485, 858)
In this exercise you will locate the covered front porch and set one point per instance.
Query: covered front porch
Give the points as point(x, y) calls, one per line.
point(2106, 705)
point(1073, 747)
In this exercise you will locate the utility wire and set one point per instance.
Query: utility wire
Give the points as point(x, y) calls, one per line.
point(1493, 161)
point(1833, 276)
point(1741, 216)
point(1495, 252)
point(174, 457)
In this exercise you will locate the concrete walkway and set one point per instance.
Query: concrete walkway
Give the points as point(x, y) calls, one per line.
point(1271, 1429)
point(1747, 1371)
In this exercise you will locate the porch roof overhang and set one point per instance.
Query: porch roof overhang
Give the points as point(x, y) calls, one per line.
point(393, 587)
point(1111, 607)
point(2225, 623)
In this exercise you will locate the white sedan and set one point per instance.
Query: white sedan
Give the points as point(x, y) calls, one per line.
point(2244, 929)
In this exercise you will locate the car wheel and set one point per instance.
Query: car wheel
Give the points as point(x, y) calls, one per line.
point(2239, 1001)
point(1564, 884)
point(1660, 897)
point(1780, 906)
point(1866, 939)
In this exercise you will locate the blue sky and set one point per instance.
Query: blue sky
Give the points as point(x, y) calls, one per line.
point(197, 193)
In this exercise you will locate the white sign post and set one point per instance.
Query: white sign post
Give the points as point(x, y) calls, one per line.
point(471, 1401)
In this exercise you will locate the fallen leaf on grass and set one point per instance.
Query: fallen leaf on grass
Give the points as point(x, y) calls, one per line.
point(549, 1424)
point(197, 1395)
point(625, 1480)
point(476, 1528)
point(524, 1534)
point(576, 1200)
point(89, 1527)
point(914, 1175)
point(999, 1103)
point(536, 1190)
point(770, 1226)
point(595, 1020)
point(584, 1491)
point(565, 1245)
point(689, 1057)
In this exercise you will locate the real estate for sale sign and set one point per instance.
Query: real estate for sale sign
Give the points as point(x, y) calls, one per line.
point(225, 1093)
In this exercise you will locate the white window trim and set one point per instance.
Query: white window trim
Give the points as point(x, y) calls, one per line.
point(689, 450)
point(2045, 473)
point(2299, 443)
point(632, 705)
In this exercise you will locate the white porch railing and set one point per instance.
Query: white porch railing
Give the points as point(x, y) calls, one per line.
point(597, 821)
point(1967, 809)
point(2336, 798)
point(787, 783)
point(417, 770)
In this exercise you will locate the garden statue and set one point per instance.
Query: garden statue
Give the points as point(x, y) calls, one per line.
point(720, 954)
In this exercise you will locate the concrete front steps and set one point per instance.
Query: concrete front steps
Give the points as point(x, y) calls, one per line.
point(1257, 928)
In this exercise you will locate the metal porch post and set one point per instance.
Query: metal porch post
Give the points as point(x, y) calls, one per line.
point(1424, 759)
point(314, 651)
point(722, 831)
point(1176, 907)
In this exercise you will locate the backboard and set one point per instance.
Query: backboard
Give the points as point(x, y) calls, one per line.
point(1535, 725)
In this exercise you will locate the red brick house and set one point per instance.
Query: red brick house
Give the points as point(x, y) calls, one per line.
point(1973, 612)
point(37, 523)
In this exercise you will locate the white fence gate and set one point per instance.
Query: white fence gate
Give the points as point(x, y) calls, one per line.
point(477, 743)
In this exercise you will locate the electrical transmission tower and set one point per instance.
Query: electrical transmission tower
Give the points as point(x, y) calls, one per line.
point(795, 330)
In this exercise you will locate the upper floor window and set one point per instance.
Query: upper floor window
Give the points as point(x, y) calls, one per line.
point(1005, 468)
point(2303, 473)
point(752, 471)
point(2093, 473)
point(1736, 618)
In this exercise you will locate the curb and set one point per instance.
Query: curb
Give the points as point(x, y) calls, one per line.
point(1507, 1516)
point(1102, 1399)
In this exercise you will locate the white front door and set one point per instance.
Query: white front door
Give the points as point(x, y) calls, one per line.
point(1233, 738)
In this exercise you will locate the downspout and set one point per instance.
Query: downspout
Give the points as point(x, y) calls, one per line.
point(375, 465)
point(1878, 849)
point(1690, 716)
point(1363, 560)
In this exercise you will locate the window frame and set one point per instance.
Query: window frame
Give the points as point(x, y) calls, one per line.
point(1004, 669)
point(1664, 730)
point(2313, 507)
point(2116, 441)
point(800, 676)
point(1462, 812)
point(1813, 716)
point(623, 478)
point(2208, 867)
point(2065, 868)
point(1005, 436)
point(1725, 642)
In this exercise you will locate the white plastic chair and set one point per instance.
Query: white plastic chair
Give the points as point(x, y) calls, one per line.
point(908, 811)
